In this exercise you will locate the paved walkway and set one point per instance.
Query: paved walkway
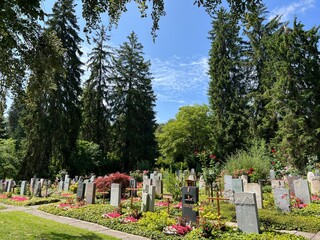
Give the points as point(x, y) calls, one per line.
point(73, 222)
point(107, 231)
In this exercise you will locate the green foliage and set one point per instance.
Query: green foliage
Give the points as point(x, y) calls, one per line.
point(256, 157)
point(173, 184)
point(87, 158)
point(180, 137)
point(155, 220)
point(132, 104)
point(9, 159)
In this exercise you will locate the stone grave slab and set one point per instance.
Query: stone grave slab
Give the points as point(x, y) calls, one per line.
point(310, 176)
point(133, 184)
point(301, 189)
point(229, 194)
point(289, 181)
point(315, 185)
point(159, 187)
point(282, 199)
point(237, 185)
point(9, 185)
point(277, 184)
point(190, 198)
point(115, 194)
point(66, 184)
point(23, 188)
point(152, 197)
point(257, 189)
point(272, 175)
point(91, 193)
point(81, 190)
point(227, 179)
point(247, 212)
point(38, 189)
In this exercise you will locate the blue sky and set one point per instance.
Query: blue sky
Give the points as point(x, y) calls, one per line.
point(180, 54)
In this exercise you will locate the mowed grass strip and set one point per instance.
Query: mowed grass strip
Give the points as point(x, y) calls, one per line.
point(20, 225)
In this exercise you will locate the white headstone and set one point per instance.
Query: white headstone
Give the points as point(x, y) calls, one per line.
point(257, 189)
point(115, 195)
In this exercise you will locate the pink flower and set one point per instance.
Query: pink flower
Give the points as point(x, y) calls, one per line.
point(161, 204)
point(111, 215)
point(19, 199)
point(179, 205)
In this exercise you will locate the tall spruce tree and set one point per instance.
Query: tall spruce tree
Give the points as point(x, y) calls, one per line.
point(227, 87)
point(259, 31)
point(133, 102)
point(37, 117)
point(96, 96)
point(294, 95)
point(65, 105)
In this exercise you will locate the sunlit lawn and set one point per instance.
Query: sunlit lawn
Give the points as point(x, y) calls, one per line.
point(20, 225)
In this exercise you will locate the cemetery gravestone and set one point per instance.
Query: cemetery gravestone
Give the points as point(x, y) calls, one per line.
point(42, 182)
point(301, 189)
point(81, 190)
point(92, 178)
point(277, 184)
point(227, 182)
point(245, 179)
point(38, 189)
point(158, 186)
point(317, 172)
point(90, 193)
point(145, 202)
point(61, 185)
point(23, 188)
point(282, 199)
point(133, 184)
point(315, 185)
point(237, 185)
point(310, 176)
point(66, 184)
point(257, 189)
point(152, 197)
point(202, 183)
point(86, 184)
point(115, 195)
point(229, 194)
point(190, 198)
point(290, 180)
point(247, 212)
point(272, 174)
point(9, 185)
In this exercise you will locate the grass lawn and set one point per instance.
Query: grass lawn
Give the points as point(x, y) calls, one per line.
point(20, 225)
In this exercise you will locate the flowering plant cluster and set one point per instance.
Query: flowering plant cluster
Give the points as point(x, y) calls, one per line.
point(206, 228)
point(66, 206)
point(111, 215)
point(178, 205)
point(3, 196)
point(177, 229)
point(128, 219)
point(297, 203)
point(162, 204)
point(19, 198)
point(239, 172)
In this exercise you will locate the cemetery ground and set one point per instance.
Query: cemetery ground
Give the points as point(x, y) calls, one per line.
point(165, 221)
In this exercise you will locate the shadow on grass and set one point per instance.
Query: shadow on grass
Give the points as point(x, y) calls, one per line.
point(56, 236)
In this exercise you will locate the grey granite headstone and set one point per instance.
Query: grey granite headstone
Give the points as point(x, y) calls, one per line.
point(145, 202)
point(245, 180)
point(42, 182)
point(301, 189)
point(317, 172)
point(115, 195)
point(229, 194)
point(289, 181)
point(38, 189)
point(86, 181)
point(227, 182)
point(66, 177)
point(91, 193)
point(190, 198)
point(92, 178)
point(310, 176)
point(272, 175)
point(315, 185)
point(247, 212)
point(237, 185)
point(10, 185)
point(159, 187)
point(61, 185)
point(152, 197)
point(257, 189)
point(133, 184)
point(23, 188)
point(282, 199)
point(66, 184)
point(202, 183)
point(4, 185)
point(277, 184)
point(81, 190)
point(146, 184)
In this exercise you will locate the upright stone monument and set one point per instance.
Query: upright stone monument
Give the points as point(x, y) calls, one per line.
point(289, 181)
point(10, 185)
point(277, 184)
point(115, 195)
point(133, 184)
point(257, 189)
point(315, 185)
point(227, 179)
point(91, 193)
point(66, 184)
point(282, 199)
point(38, 189)
point(23, 188)
point(310, 176)
point(301, 189)
point(247, 212)
point(81, 190)
point(237, 185)
point(190, 198)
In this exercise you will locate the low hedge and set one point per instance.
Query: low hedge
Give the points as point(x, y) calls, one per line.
point(281, 221)
point(30, 202)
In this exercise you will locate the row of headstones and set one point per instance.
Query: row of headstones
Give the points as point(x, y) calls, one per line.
point(65, 183)
point(246, 208)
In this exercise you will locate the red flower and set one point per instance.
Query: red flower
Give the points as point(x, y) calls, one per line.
point(273, 150)
point(213, 156)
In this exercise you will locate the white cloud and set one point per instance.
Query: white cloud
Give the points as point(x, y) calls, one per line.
point(180, 80)
point(295, 8)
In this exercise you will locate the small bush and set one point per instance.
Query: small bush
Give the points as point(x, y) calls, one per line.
point(104, 183)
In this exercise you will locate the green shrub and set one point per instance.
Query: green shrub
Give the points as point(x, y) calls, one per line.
point(173, 184)
point(256, 158)
point(156, 221)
